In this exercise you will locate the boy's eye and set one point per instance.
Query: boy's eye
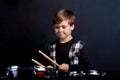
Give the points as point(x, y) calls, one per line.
point(64, 27)
point(56, 26)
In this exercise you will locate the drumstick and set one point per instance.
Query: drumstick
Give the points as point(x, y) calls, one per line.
point(38, 63)
point(49, 58)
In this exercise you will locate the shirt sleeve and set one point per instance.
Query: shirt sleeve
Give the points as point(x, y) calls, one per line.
point(83, 61)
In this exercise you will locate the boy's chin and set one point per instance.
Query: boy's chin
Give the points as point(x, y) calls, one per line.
point(61, 37)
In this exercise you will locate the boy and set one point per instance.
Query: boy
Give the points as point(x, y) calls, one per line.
point(67, 50)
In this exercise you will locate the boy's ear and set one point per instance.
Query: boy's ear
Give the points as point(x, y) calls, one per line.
point(72, 27)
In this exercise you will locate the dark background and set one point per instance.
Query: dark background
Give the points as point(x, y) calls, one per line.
point(26, 27)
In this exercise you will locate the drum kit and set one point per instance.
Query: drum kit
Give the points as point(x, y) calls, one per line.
point(16, 72)
point(40, 71)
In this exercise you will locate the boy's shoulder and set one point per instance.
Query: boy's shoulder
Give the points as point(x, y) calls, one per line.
point(78, 39)
point(54, 42)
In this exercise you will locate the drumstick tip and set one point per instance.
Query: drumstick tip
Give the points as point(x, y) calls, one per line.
point(39, 51)
point(32, 59)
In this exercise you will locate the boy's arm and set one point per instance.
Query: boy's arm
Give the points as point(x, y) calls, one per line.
point(83, 62)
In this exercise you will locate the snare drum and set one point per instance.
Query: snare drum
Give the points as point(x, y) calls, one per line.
point(43, 72)
point(39, 71)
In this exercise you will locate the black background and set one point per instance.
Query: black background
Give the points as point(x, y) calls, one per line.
point(26, 27)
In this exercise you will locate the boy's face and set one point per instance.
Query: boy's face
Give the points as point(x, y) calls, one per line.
point(63, 30)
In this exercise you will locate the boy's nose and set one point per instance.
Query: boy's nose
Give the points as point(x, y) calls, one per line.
point(60, 29)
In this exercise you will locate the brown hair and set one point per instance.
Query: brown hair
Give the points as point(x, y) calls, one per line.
point(64, 14)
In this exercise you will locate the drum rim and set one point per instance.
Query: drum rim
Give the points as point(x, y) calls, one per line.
point(92, 72)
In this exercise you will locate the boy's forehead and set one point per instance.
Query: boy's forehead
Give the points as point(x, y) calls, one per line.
point(64, 22)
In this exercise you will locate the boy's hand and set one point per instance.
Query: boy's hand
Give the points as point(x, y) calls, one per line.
point(64, 67)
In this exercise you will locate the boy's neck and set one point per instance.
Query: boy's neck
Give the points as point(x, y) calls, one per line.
point(65, 40)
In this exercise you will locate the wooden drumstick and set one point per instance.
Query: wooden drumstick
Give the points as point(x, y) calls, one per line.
point(38, 63)
point(49, 58)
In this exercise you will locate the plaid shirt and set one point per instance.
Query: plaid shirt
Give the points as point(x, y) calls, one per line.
point(74, 52)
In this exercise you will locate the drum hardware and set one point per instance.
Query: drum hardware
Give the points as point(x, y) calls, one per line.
point(82, 73)
point(93, 75)
point(51, 73)
point(93, 72)
point(74, 73)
